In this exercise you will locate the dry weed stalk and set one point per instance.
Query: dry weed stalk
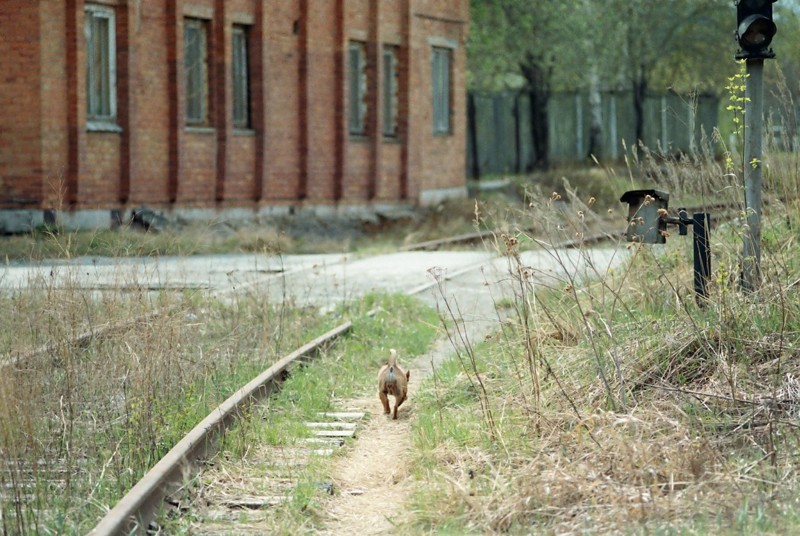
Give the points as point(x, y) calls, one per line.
point(462, 344)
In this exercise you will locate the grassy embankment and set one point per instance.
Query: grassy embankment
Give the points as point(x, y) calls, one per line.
point(620, 404)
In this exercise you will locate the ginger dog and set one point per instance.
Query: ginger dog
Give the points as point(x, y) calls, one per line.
point(392, 381)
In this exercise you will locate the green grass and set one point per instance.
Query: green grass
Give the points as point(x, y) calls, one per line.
point(345, 370)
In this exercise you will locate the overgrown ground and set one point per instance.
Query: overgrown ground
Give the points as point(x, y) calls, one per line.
point(622, 405)
point(307, 234)
point(616, 404)
point(80, 424)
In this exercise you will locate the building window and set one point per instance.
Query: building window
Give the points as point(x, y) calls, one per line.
point(390, 85)
point(101, 98)
point(442, 90)
point(357, 88)
point(195, 57)
point(241, 78)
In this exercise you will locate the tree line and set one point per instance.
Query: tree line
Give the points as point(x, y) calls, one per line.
point(539, 47)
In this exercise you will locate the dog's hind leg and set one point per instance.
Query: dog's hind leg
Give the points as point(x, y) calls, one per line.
point(397, 401)
point(400, 399)
point(384, 401)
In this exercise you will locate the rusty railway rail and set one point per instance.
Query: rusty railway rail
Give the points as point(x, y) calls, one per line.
point(93, 333)
point(134, 512)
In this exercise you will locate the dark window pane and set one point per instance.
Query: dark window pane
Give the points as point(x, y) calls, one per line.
point(100, 50)
point(241, 79)
point(357, 88)
point(390, 88)
point(441, 90)
point(196, 71)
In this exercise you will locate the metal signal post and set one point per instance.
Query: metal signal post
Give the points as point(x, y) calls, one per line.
point(754, 32)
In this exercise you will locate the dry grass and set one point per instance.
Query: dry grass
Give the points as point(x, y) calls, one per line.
point(286, 235)
point(611, 402)
point(79, 424)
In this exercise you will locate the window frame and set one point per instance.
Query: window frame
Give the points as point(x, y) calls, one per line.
point(391, 90)
point(442, 90)
point(357, 89)
point(198, 73)
point(240, 77)
point(101, 115)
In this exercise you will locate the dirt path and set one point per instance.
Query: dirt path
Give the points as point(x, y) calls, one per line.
point(375, 480)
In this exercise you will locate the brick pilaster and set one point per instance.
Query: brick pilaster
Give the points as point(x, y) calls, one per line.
point(220, 84)
point(258, 99)
point(404, 96)
point(375, 78)
point(174, 33)
point(76, 130)
point(304, 98)
point(125, 62)
point(340, 80)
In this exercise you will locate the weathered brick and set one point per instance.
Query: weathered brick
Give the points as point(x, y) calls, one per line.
point(298, 150)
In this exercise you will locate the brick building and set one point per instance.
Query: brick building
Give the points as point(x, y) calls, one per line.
point(226, 108)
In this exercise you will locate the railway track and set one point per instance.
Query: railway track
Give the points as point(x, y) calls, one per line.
point(20, 477)
point(136, 510)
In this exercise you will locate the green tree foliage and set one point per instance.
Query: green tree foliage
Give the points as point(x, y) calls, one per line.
point(677, 43)
point(541, 46)
point(522, 44)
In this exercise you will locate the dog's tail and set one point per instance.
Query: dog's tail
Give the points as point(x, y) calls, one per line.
point(392, 364)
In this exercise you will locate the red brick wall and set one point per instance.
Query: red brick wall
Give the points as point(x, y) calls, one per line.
point(391, 20)
point(196, 184)
point(150, 104)
point(53, 87)
point(282, 105)
point(298, 150)
point(98, 185)
point(390, 175)
point(358, 173)
point(437, 161)
point(241, 168)
point(357, 15)
point(240, 165)
point(320, 110)
point(388, 188)
point(21, 166)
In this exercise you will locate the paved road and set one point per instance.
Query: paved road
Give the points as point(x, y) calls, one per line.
point(213, 272)
point(471, 280)
point(308, 279)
